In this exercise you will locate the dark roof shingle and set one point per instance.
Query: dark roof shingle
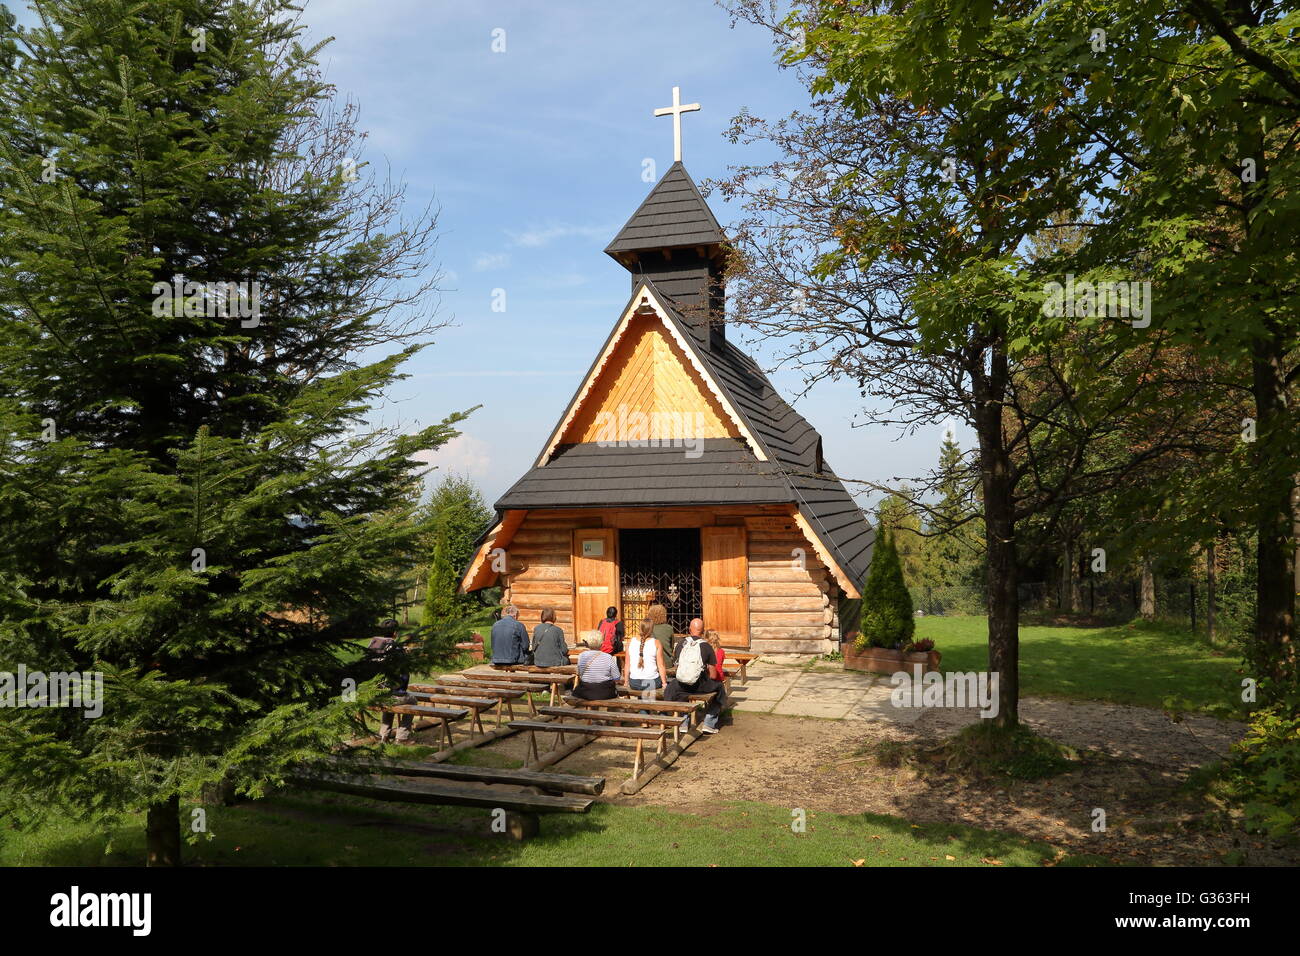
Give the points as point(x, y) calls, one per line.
point(672, 216)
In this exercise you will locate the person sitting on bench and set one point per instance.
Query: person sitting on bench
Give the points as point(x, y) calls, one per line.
point(611, 632)
point(385, 653)
point(645, 662)
point(509, 639)
point(697, 673)
point(598, 674)
point(549, 647)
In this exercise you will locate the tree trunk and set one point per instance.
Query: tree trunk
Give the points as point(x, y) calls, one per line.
point(1069, 605)
point(1210, 560)
point(998, 481)
point(163, 833)
point(1276, 548)
point(1147, 601)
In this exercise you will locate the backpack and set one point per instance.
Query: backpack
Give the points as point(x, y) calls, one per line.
point(608, 630)
point(690, 662)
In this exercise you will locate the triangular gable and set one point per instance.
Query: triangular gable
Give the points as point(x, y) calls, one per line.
point(592, 394)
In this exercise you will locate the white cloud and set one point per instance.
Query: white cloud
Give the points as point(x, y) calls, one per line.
point(537, 238)
point(491, 260)
point(463, 455)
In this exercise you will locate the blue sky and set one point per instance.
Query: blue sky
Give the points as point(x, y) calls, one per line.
point(534, 156)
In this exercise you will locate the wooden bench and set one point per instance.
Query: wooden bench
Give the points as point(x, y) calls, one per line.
point(444, 715)
point(534, 669)
point(504, 694)
point(476, 705)
point(558, 782)
point(520, 808)
point(680, 708)
point(628, 692)
point(639, 734)
point(742, 658)
point(552, 680)
point(671, 722)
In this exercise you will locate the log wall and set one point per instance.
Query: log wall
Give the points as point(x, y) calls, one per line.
point(792, 596)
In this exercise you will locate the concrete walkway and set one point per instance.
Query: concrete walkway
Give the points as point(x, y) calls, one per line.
point(825, 692)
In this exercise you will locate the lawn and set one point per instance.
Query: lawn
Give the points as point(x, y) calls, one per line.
point(310, 829)
point(1151, 665)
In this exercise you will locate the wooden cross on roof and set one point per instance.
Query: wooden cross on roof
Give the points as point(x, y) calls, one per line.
point(676, 111)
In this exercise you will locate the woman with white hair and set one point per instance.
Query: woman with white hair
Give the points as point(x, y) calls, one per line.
point(598, 675)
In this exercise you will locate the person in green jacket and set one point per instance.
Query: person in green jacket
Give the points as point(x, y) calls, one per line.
point(663, 632)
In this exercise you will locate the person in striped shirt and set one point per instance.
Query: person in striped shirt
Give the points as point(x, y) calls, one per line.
point(598, 674)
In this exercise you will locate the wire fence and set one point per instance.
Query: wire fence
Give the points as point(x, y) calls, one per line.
point(1219, 614)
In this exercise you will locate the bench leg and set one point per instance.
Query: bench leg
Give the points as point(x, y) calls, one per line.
point(532, 746)
point(636, 763)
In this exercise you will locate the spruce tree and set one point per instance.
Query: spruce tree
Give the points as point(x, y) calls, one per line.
point(887, 619)
point(191, 264)
point(457, 515)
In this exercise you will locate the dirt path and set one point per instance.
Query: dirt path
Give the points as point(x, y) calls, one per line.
point(1136, 760)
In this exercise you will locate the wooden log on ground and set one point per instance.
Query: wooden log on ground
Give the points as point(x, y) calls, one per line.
point(563, 782)
point(660, 763)
point(552, 757)
point(442, 793)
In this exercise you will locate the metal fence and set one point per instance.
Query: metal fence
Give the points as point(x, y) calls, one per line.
point(1182, 601)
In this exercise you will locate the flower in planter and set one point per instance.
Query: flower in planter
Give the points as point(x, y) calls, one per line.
point(922, 646)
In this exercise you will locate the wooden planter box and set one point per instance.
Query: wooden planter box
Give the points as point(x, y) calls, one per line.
point(880, 660)
point(474, 648)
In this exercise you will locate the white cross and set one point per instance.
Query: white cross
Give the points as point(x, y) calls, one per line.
point(677, 109)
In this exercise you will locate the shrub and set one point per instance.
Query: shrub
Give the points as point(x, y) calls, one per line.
point(1263, 775)
point(887, 614)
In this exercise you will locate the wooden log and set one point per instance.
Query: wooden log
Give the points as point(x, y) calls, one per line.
point(552, 757)
point(660, 763)
point(565, 782)
point(442, 793)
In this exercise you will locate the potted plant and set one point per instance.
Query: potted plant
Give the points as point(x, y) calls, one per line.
point(885, 643)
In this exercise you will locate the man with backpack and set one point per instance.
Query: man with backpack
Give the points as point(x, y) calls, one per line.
point(611, 632)
point(697, 673)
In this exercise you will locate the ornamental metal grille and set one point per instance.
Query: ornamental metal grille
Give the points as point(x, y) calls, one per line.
point(660, 566)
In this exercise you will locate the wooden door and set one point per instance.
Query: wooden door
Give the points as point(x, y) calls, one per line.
point(595, 577)
point(724, 577)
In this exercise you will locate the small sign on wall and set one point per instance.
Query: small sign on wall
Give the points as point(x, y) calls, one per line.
point(594, 548)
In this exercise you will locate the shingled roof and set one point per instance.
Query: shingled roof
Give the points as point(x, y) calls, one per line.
point(727, 472)
point(672, 216)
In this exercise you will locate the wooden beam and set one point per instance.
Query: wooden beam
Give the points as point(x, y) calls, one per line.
point(660, 763)
point(442, 793)
point(845, 583)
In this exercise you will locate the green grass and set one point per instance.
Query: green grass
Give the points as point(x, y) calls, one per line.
point(1150, 665)
point(329, 830)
